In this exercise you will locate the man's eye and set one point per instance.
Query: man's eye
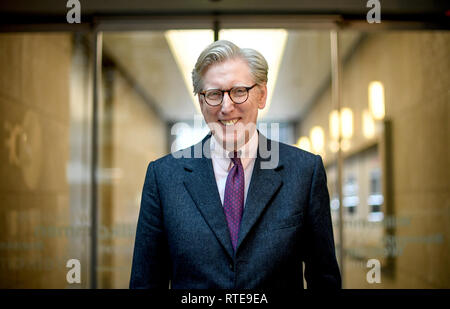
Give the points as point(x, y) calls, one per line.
point(213, 94)
point(239, 91)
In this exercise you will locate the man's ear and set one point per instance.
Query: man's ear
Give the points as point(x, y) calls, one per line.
point(262, 96)
point(200, 100)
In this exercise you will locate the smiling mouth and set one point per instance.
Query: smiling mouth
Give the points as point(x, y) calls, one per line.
point(230, 122)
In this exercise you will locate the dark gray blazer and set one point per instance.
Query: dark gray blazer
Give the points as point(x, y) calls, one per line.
point(182, 234)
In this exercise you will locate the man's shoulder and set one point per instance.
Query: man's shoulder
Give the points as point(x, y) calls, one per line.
point(172, 159)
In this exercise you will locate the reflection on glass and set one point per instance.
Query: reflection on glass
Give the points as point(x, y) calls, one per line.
point(375, 199)
point(44, 192)
point(350, 190)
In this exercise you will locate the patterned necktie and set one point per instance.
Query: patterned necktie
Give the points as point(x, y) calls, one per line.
point(233, 202)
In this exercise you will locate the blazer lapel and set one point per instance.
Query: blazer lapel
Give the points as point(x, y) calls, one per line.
point(201, 184)
point(264, 184)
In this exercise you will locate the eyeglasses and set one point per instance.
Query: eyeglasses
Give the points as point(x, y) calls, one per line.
point(238, 95)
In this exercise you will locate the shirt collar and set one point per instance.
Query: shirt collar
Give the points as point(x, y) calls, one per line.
point(248, 152)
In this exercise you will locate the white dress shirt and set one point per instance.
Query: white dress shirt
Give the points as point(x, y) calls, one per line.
point(222, 163)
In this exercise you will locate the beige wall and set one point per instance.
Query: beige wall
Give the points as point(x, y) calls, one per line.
point(413, 66)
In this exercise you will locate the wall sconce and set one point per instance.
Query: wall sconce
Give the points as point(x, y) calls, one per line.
point(368, 124)
point(317, 137)
point(376, 100)
point(304, 143)
point(346, 123)
point(334, 125)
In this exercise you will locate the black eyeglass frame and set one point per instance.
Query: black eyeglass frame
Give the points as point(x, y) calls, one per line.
point(229, 94)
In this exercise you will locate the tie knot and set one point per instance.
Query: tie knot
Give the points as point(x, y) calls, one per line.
point(236, 161)
point(235, 157)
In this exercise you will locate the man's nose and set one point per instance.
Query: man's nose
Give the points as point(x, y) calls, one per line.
point(227, 103)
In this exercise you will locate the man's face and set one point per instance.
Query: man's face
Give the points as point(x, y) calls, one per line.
point(229, 121)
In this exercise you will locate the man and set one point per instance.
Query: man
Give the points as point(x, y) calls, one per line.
point(219, 218)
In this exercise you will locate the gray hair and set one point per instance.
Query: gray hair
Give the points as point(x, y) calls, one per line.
point(222, 50)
